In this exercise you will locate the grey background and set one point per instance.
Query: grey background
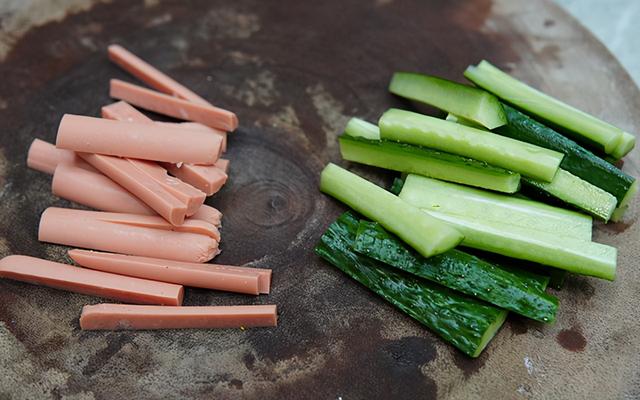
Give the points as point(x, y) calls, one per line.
point(614, 23)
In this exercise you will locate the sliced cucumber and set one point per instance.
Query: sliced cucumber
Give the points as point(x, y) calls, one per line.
point(422, 130)
point(583, 127)
point(462, 121)
point(482, 205)
point(357, 127)
point(469, 102)
point(624, 204)
point(419, 160)
point(577, 256)
point(462, 272)
point(427, 235)
point(468, 324)
point(396, 186)
point(575, 192)
point(577, 160)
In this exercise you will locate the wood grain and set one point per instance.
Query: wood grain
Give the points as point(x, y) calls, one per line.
point(295, 72)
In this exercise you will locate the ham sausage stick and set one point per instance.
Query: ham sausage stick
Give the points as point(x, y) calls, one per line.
point(123, 111)
point(167, 105)
point(95, 190)
point(121, 316)
point(88, 230)
point(44, 157)
point(151, 76)
point(208, 276)
point(86, 281)
point(208, 214)
point(207, 178)
point(137, 140)
point(149, 186)
point(156, 222)
point(79, 182)
point(197, 125)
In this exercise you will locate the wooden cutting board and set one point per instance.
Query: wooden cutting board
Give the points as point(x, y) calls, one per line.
point(295, 72)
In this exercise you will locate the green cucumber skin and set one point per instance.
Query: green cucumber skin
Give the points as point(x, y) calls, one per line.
point(426, 234)
point(462, 272)
point(418, 160)
point(573, 192)
point(396, 186)
point(577, 160)
point(466, 323)
point(422, 130)
point(467, 101)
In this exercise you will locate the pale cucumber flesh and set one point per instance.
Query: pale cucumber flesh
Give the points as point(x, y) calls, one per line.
point(577, 193)
point(417, 129)
point(413, 159)
point(483, 205)
point(469, 102)
point(582, 126)
point(427, 235)
point(573, 255)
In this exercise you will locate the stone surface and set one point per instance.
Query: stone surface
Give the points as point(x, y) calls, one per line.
point(294, 72)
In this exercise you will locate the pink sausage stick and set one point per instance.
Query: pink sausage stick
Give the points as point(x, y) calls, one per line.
point(137, 140)
point(86, 229)
point(151, 76)
point(44, 157)
point(95, 190)
point(208, 214)
point(167, 105)
point(183, 191)
point(79, 182)
point(122, 316)
point(197, 125)
point(123, 111)
point(86, 281)
point(207, 178)
point(156, 222)
point(208, 276)
point(152, 187)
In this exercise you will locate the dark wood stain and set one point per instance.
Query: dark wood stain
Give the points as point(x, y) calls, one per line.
point(572, 339)
point(619, 227)
point(469, 366)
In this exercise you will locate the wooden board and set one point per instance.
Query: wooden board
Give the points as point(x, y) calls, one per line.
point(295, 72)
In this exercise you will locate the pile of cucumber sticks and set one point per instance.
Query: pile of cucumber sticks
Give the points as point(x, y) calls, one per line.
point(512, 175)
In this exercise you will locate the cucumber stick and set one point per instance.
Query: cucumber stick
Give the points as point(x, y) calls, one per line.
point(577, 160)
point(525, 158)
point(482, 205)
point(469, 102)
point(427, 235)
point(575, 192)
point(573, 255)
point(468, 324)
point(626, 201)
point(357, 127)
point(581, 126)
point(419, 160)
point(462, 121)
point(462, 272)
